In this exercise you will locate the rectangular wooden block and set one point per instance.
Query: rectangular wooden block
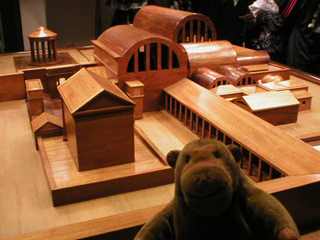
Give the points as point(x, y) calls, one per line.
point(36, 106)
point(91, 144)
point(304, 98)
point(257, 67)
point(34, 89)
point(12, 87)
point(138, 110)
point(68, 185)
point(279, 116)
point(134, 88)
point(274, 107)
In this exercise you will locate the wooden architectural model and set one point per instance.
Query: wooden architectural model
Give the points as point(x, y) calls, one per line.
point(173, 76)
point(98, 119)
point(139, 55)
point(267, 105)
point(178, 26)
point(213, 54)
point(228, 92)
point(46, 125)
point(208, 78)
point(35, 97)
point(43, 47)
point(136, 65)
point(210, 116)
point(257, 62)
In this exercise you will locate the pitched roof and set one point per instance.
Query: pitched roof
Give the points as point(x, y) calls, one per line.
point(270, 100)
point(46, 121)
point(85, 86)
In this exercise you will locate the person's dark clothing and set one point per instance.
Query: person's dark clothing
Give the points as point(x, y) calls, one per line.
point(125, 10)
point(225, 17)
point(304, 39)
point(271, 30)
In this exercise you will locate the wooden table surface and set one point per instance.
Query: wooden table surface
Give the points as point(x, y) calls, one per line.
point(25, 200)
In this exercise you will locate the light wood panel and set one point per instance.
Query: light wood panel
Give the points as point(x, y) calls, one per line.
point(309, 120)
point(68, 185)
point(7, 65)
point(25, 199)
point(125, 225)
point(12, 87)
point(163, 132)
point(258, 136)
point(88, 53)
point(109, 225)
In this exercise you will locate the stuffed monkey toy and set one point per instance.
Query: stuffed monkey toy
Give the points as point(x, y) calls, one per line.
point(215, 200)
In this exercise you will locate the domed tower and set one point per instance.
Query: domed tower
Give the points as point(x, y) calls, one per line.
point(43, 47)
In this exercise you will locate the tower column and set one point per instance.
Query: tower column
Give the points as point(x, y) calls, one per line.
point(45, 50)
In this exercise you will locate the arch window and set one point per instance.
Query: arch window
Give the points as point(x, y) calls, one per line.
point(153, 56)
point(195, 31)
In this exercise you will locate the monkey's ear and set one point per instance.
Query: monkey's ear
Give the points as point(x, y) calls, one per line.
point(236, 152)
point(172, 157)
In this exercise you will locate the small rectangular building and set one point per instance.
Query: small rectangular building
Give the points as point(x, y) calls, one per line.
point(35, 96)
point(98, 120)
point(274, 107)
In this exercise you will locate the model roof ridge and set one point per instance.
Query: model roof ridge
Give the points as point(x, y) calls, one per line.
point(111, 88)
point(45, 118)
point(84, 86)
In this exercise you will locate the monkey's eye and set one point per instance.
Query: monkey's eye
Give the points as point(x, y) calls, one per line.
point(217, 154)
point(187, 159)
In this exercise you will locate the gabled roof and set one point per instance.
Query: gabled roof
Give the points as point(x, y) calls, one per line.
point(270, 100)
point(85, 87)
point(46, 121)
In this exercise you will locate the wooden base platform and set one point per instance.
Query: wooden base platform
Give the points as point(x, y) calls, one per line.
point(21, 62)
point(26, 204)
point(68, 185)
point(126, 225)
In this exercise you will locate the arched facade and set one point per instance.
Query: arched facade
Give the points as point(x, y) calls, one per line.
point(134, 54)
point(176, 25)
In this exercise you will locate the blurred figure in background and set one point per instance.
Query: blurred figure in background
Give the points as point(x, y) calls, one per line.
point(225, 16)
point(304, 39)
point(125, 10)
point(270, 26)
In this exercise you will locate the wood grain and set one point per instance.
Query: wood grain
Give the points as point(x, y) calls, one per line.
point(26, 201)
point(261, 138)
point(163, 132)
point(169, 23)
point(126, 225)
point(69, 185)
point(270, 100)
point(14, 82)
